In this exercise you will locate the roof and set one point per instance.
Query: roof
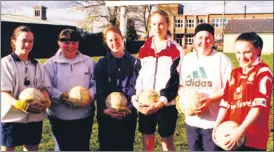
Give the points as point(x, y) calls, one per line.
point(24, 19)
point(249, 25)
point(40, 6)
point(240, 13)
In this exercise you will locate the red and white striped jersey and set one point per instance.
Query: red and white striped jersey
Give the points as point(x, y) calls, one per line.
point(244, 91)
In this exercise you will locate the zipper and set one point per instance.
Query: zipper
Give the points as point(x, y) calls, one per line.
point(155, 72)
point(71, 68)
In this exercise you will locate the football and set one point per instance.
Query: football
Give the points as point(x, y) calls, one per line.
point(116, 100)
point(223, 129)
point(147, 97)
point(188, 101)
point(31, 93)
point(80, 96)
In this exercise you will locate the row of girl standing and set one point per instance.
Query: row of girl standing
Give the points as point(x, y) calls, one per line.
point(71, 127)
point(160, 65)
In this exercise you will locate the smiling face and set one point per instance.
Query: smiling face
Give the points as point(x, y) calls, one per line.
point(23, 44)
point(203, 42)
point(69, 48)
point(159, 25)
point(246, 53)
point(114, 42)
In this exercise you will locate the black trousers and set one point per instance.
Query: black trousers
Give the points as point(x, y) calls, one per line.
point(116, 134)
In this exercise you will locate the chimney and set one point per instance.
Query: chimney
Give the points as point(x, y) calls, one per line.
point(40, 12)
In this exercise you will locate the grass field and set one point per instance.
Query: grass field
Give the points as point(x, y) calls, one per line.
point(47, 143)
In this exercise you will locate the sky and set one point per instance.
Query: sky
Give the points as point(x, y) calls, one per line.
point(62, 13)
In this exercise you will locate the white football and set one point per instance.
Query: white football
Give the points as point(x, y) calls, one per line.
point(225, 128)
point(81, 94)
point(189, 101)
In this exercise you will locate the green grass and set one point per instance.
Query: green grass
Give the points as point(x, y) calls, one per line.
point(180, 139)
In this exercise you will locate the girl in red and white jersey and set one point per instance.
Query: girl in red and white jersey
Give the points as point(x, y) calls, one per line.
point(246, 99)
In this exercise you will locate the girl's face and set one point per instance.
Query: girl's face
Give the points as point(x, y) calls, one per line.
point(159, 26)
point(69, 48)
point(24, 43)
point(246, 53)
point(114, 42)
point(203, 42)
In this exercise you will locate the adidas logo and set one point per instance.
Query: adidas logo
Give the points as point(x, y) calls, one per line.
point(197, 79)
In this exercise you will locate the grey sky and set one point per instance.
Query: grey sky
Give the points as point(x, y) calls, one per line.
point(60, 11)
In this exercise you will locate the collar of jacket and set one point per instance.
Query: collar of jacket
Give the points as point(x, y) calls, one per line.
point(125, 55)
point(15, 58)
point(149, 43)
point(58, 57)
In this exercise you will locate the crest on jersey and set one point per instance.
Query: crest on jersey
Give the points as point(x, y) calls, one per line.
point(251, 76)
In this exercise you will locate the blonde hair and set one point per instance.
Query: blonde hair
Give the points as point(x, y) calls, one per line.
point(162, 13)
point(16, 32)
point(165, 15)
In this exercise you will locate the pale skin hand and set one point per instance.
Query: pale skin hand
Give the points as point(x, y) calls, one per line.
point(114, 113)
point(46, 96)
point(207, 101)
point(233, 137)
point(205, 104)
point(154, 107)
point(139, 107)
point(149, 109)
point(253, 114)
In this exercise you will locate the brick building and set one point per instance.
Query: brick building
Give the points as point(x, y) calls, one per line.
point(182, 26)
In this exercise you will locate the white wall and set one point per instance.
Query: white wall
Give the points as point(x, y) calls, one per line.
point(229, 40)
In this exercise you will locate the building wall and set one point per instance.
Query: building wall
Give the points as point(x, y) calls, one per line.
point(172, 9)
point(178, 33)
point(229, 40)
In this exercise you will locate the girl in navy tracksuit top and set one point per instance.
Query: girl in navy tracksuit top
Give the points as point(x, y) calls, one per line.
point(113, 73)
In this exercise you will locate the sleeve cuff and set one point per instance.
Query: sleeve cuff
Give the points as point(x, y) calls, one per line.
point(164, 100)
point(58, 97)
point(224, 104)
point(92, 94)
point(259, 102)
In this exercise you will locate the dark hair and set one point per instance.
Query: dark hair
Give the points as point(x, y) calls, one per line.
point(204, 27)
point(68, 35)
point(253, 38)
point(16, 32)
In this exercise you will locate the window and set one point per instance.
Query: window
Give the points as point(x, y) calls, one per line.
point(218, 36)
point(201, 21)
point(189, 39)
point(218, 22)
point(37, 13)
point(189, 23)
point(179, 39)
point(179, 23)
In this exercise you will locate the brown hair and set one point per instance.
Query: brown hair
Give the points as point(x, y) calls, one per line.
point(112, 29)
point(16, 32)
point(68, 35)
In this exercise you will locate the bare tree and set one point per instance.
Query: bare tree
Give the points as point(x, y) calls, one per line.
point(141, 15)
point(96, 11)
